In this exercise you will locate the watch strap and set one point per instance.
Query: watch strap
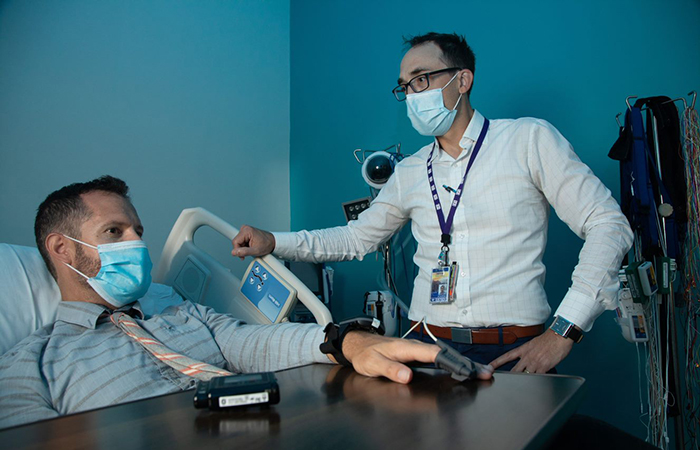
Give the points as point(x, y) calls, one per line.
point(332, 346)
point(335, 335)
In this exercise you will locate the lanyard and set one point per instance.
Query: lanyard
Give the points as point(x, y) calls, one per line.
point(446, 225)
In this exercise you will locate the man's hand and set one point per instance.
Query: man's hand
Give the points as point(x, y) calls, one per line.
point(373, 356)
point(539, 355)
point(252, 242)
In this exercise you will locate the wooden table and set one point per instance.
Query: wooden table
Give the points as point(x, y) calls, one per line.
point(331, 407)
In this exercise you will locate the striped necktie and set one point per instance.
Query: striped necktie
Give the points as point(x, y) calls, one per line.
point(179, 362)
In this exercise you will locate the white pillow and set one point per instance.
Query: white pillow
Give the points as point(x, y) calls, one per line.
point(29, 295)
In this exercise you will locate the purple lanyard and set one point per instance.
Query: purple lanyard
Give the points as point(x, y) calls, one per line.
point(446, 226)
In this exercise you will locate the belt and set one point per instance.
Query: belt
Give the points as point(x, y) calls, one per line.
point(497, 335)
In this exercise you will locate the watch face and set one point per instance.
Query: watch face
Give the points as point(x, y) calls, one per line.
point(561, 326)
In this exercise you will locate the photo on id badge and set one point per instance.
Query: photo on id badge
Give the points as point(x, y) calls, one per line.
point(440, 287)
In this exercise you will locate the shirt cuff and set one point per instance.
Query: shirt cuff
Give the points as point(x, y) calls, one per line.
point(580, 309)
point(319, 338)
point(285, 245)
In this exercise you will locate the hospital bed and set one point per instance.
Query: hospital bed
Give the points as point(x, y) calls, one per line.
point(265, 293)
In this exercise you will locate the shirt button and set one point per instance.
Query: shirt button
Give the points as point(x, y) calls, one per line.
point(461, 236)
point(462, 274)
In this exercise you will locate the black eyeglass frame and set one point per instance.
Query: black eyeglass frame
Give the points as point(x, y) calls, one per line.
point(405, 86)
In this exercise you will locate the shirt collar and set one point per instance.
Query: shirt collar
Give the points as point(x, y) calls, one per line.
point(87, 314)
point(470, 136)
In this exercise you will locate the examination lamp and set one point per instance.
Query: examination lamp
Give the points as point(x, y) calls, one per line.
point(378, 165)
point(377, 169)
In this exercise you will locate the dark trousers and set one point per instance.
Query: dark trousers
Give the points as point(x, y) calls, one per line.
point(481, 353)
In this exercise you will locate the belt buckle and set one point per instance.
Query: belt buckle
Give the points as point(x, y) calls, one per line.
point(462, 335)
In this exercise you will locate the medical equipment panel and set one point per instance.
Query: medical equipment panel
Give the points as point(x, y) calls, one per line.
point(267, 291)
point(354, 208)
point(630, 317)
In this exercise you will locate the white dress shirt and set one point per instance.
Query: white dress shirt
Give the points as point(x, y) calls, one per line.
point(499, 231)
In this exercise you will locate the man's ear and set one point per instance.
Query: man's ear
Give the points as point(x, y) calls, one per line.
point(59, 249)
point(466, 79)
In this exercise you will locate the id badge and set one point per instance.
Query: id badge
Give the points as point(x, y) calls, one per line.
point(440, 286)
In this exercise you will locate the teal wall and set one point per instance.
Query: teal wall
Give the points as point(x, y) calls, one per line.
point(570, 63)
point(187, 101)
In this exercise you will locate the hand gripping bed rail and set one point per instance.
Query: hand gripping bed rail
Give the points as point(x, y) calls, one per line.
point(192, 219)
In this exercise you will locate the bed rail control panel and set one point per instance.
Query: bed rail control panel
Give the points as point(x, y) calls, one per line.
point(267, 291)
point(199, 276)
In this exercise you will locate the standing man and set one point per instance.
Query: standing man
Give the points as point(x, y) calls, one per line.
point(478, 198)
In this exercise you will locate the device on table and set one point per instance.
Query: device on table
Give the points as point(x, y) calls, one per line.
point(231, 391)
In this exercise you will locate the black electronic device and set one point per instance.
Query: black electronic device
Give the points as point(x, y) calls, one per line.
point(237, 390)
point(353, 208)
point(335, 334)
point(461, 367)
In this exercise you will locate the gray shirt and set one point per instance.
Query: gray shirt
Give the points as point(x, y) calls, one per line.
point(83, 361)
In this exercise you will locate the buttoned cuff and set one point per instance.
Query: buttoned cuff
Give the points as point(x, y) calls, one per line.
point(580, 309)
point(285, 245)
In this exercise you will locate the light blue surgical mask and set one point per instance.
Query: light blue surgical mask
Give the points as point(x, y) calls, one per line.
point(125, 275)
point(428, 113)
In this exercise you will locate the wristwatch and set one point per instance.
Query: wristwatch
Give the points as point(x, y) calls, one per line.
point(335, 334)
point(564, 328)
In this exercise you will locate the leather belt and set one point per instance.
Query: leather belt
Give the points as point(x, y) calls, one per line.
point(496, 335)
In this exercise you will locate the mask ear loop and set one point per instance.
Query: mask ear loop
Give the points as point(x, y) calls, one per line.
point(460, 94)
point(85, 244)
point(79, 242)
point(457, 102)
point(77, 271)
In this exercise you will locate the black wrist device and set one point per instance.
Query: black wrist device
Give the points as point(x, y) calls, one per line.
point(335, 334)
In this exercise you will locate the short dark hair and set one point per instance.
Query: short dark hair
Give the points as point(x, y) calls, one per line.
point(454, 47)
point(64, 211)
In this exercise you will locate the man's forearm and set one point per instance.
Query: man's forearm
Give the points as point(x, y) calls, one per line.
point(595, 278)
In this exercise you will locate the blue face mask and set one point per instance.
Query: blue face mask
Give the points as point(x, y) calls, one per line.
point(428, 113)
point(125, 275)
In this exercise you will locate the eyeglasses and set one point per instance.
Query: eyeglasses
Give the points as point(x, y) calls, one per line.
point(418, 83)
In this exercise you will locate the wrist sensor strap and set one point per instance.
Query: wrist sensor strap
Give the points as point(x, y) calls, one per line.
point(335, 335)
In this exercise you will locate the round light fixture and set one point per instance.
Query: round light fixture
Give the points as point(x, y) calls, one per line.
point(377, 168)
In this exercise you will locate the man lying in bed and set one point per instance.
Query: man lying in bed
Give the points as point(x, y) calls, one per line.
point(89, 235)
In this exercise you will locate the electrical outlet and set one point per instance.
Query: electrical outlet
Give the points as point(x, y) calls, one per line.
point(353, 208)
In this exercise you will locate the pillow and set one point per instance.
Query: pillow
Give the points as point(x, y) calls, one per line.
point(29, 295)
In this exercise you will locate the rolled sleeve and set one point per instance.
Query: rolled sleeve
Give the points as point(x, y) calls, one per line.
point(582, 201)
point(353, 241)
point(285, 244)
